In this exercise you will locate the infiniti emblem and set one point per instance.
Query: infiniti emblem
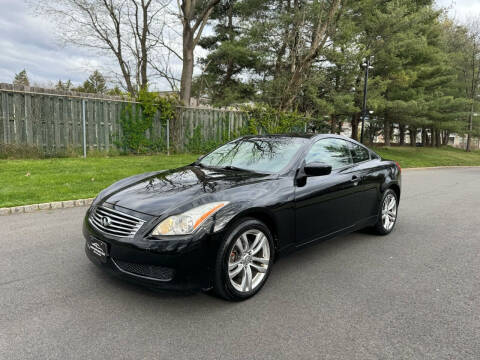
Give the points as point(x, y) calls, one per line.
point(106, 221)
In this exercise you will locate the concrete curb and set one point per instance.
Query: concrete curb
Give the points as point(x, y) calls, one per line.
point(45, 206)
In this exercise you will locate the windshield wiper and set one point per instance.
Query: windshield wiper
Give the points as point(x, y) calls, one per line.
point(230, 167)
point(227, 167)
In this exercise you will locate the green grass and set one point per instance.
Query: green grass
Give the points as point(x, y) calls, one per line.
point(24, 182)
point(409, 157)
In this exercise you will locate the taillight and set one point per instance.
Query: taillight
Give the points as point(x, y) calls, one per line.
point(398, 166)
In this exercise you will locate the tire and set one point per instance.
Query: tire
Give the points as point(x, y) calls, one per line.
point(387, 215)
point(244, 260)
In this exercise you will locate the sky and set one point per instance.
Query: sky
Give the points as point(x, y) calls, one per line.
point(28, 42)
point(461, 9)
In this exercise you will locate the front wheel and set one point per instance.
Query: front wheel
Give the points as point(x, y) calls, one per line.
point(387, 217)
point(244, 260)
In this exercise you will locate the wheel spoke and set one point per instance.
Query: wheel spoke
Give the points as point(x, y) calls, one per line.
point(259, 268)
point(244, 242)
point(259, 245)
point(244, 280)
point(248, 279)
point(260, 260)
point(235, 271)
point(233, 265)
point(391, 204)
point(239, 245)
point(258, 237)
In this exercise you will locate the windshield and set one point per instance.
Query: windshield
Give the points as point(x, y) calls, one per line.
point(262, 154)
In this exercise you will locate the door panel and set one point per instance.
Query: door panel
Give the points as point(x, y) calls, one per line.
point(324, 205)
point(365, 202)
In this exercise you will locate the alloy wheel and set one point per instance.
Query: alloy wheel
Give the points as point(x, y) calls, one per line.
point(249, 260)
point(389, 212)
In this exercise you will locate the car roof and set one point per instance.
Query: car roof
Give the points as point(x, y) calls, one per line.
point(292, 135)
point(300, 135)
point(310, 137)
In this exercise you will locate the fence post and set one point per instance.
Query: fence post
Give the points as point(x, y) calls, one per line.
point(84, 130)
point(230, 116)
point(168, 136)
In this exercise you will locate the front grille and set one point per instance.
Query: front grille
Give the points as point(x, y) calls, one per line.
point(114, 222)
point(150, 271)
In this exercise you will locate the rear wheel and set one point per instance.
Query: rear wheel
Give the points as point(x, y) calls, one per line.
point(387, 216)
point(244, 260)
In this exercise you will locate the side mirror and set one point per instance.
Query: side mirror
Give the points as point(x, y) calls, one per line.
point(317, 169)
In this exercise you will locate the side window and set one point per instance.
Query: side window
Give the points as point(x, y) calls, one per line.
point(334, 152)
point(359, 153)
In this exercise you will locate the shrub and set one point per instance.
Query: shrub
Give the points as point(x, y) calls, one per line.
point(137, 123)
point(264, 119)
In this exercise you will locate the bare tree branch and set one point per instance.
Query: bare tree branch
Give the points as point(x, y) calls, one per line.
point(131, 31)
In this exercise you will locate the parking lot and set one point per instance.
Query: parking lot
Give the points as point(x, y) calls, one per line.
point(412, 294)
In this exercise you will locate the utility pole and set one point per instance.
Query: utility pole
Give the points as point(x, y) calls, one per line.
point(367, 66)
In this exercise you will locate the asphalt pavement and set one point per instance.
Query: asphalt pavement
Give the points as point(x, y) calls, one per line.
point(414, 294)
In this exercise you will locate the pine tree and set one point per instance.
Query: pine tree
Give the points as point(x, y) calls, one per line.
point(21, 79)
point(95, 84)
point(228, 59)
point(64, 86)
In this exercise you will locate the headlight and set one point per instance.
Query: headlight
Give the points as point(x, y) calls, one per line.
point(189, 221)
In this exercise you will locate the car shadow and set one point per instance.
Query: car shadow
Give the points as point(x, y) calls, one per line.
point(290, 266)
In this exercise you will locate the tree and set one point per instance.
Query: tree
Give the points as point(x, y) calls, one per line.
point(466, 40)
point(412, 74)
point(115, 91)
point(95, 84)
point(228, 59)
point(290, 38)
point(308, 42)
point(21, 79)
point(194, 16)
point(128, 30)
point(64, 86)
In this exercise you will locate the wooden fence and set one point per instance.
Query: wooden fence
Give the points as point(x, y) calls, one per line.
point(210, 124)
point(56, 121)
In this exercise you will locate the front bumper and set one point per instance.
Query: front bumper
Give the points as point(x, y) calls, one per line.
point(183, 265)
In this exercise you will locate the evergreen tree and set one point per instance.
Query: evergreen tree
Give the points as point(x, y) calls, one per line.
point(95, 84)
point(228, 59)
point(21, 79)
point(64, 86)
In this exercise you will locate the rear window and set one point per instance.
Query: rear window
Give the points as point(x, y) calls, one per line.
point(359, 153)
point(333, 152)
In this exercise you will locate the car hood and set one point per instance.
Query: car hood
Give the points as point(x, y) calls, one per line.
point(158, 192)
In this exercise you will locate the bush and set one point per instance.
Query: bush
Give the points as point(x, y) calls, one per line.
point(137, 123)
point(264, 119)
point(196, 144)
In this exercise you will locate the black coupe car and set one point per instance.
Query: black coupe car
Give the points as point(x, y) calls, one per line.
point(220, 222)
